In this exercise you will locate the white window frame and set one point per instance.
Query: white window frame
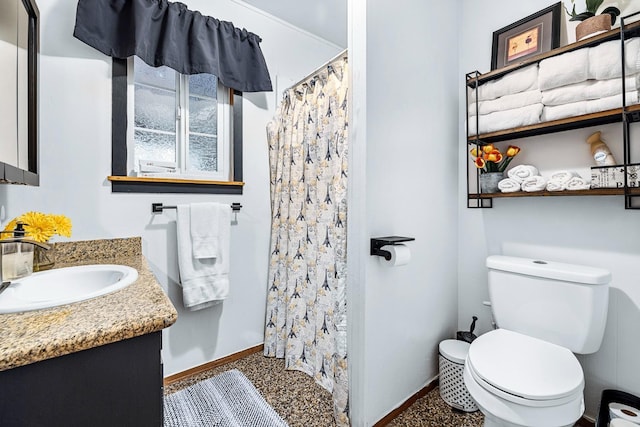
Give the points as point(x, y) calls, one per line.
point(224, 136)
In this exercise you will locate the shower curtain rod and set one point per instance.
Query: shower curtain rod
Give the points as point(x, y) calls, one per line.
point(338, 56)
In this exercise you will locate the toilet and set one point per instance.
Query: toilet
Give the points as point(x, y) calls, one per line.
point(525, 372)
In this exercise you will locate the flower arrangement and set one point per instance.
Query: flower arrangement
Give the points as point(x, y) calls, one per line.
point(42, 227)
point(489, 159)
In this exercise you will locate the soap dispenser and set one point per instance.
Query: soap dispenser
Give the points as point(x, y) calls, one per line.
point(16, 255)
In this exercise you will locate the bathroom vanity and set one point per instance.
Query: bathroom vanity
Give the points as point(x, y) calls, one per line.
point(91, 363)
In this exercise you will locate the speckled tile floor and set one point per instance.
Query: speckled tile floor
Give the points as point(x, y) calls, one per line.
point(301, 402)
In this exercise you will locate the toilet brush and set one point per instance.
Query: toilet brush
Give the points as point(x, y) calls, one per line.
point(468, 336)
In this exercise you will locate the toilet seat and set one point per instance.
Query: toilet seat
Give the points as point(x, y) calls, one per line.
point(525, 370)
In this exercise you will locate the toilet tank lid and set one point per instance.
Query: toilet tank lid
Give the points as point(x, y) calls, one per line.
point(550, 269)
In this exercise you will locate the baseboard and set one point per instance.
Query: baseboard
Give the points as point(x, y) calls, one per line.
point(213, 364)
point(410, 401)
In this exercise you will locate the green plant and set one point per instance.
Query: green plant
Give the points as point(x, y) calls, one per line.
point(592, 8)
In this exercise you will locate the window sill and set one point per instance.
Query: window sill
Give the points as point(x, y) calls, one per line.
point(134, 184)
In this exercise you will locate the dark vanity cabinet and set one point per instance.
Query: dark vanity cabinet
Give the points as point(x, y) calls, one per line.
point(114, 385)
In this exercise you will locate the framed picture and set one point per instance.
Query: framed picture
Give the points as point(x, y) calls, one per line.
point(529, 36)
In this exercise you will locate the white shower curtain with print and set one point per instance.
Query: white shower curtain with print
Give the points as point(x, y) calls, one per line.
point(306, 318)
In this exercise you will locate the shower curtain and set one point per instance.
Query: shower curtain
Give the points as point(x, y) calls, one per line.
point(306, 318)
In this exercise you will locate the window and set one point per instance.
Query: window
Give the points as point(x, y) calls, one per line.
point(174, 130)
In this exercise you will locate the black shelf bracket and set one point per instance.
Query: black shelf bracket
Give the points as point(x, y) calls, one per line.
point(378, 242)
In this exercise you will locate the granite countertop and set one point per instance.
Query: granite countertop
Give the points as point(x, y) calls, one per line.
point(138, 309)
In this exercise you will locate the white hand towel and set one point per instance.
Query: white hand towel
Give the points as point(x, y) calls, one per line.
point(521, 172)
point(577, 183)
point(565, 69)
point(534, 183)
point(516, 81)
point(205, 282)
point(574, 109)
point(563, 176)
point(507, 102)
point(604, 59)
point(555, 185)
point(509, 185)
point(508, 119)
point(591, 89)
point(204, 229)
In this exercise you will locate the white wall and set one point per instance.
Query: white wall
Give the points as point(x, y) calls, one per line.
point(585, 230)
point(404, 185)
point(75, 159)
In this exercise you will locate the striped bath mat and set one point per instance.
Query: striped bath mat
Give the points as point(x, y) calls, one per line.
point(226, 400)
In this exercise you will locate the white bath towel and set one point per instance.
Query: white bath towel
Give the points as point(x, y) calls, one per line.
point(565, 69)
point(205, 230)
point(508, 119)
point(563, 176)
point(591, 89)
point(604, 59)
point(555, 185)
point(509, 185)
point(577, 183)
point(557, 112)
point(517, 81)
point(205, 282)
point(534, 183)
point(507, 102)
point(521, 172)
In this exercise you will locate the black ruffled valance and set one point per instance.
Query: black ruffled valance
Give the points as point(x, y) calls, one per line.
point(164, 33)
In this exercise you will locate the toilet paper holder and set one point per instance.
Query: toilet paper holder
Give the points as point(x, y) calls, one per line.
point(378, 242)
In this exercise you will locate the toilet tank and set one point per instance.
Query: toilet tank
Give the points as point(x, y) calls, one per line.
point(561, 303)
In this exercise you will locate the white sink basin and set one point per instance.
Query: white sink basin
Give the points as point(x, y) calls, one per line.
point(64, 285)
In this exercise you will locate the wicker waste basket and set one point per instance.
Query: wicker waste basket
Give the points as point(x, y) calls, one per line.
point(452, 354)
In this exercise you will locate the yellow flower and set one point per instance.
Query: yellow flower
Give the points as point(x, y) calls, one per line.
point(512, 151)
point(62, 224)
point(38, 226)
point(488, 148)
point(11, 226)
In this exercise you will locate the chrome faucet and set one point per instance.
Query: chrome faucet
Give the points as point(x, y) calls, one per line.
point(16, 256)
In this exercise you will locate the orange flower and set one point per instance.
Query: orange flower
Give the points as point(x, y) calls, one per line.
point(475, 152)
point(479, 162)
point(494, 156)
point(512, 151)
point(488, 148)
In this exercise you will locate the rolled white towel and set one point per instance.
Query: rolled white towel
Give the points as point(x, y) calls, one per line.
point(577, 183)
point(534, 183)
point(521, 172)
point(509, 185)
point(507, 102)
point(554, 185)
point(563, 176)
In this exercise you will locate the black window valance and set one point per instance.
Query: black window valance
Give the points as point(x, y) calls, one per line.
point(164, 33)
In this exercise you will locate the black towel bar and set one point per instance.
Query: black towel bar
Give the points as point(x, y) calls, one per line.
point(159, 207)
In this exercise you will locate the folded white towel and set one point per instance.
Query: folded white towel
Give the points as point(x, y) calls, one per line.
point(508, 119)
point(557, 112)
point(517, 81)
point(534, 183)
point(577, 183)
point(205, 229)
point(563, 176)
point(565, 69)
point(509, 185)
point(604, 59)
point(555, 185)
point(521, 172)
point(205, 282)
point(591, 89)
point(507, 102)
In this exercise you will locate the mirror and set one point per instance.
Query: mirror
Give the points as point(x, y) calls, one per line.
point(19, 46)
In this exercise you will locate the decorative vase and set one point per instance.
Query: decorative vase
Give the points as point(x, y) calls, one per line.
point(489, 181)
point(44, 259)
point(592, 26)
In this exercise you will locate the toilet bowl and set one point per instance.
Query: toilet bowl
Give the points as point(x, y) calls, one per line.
point(518, 380)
